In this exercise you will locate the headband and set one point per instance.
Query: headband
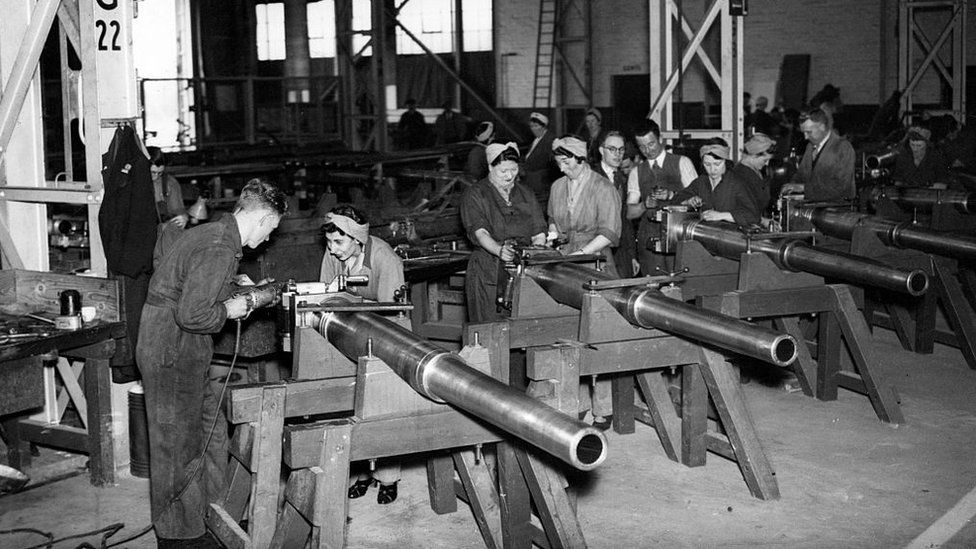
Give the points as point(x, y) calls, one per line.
point(720, 151)
point(572, 144)
point(359, 231)
point(495, 149)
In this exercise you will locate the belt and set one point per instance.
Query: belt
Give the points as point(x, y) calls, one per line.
point(159, 300)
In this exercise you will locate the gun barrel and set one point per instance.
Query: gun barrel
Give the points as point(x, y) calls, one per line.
point(649, 308)
point(445, 377)
point(884, 158)
point(924, 200)
point(893, 233)
point(795, 255)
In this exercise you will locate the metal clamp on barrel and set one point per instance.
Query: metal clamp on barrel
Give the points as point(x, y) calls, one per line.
point(651, 281)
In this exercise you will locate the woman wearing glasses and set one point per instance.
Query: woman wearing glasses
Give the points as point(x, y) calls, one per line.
point(497, 213)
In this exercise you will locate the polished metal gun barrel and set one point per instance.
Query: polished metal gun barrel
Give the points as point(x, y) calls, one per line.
point(649, 308)
point(904, 234)
point(923, 200)
point(445, 377)
point(796, 255)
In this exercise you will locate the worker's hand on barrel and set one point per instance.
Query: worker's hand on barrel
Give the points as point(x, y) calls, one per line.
point(790, 188)
point(236, 307)
point(650, 202)
point(180, 220)
point(694, 202)
point(507, 252)
point(660, 193)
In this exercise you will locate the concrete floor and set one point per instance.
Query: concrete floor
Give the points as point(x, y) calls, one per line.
point(847, 480)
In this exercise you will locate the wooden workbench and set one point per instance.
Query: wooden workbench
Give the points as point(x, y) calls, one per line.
point(28, 369)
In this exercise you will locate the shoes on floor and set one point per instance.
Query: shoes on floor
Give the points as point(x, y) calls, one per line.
point(386, 494)
point(358, 489)
point(602, 422)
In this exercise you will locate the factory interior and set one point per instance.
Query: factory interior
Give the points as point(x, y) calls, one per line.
point(487, 273)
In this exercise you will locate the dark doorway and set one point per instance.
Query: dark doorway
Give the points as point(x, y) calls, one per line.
point(631, 100)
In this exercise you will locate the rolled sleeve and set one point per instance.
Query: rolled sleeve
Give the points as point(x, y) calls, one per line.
point(688, 173)
point(608, 215)
point(474, 212)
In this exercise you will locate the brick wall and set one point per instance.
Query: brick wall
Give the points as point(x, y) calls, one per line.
point(843, 38)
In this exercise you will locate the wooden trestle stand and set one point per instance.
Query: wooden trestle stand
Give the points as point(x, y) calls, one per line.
point(564, 344)
point(914, 321)
point(755, 288)
point(382, 416)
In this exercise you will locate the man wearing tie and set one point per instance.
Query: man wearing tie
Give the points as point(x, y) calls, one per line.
point(612, 150)
point(826, 171)
point(650, 185)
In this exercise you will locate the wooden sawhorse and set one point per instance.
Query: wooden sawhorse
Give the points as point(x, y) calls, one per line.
point(314, 504)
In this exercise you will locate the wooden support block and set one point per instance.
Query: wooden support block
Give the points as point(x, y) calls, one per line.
point(662, 412)
point(23, 385)
point(804, 367)
point(495, 337)
point(440, 484)
point(226, 529)
point(302, 398)
point(727, 397)
point(385, 394)
point(622, 395)
point(513, 498)
point(828, 356)
point(480, 494)
point(98, 394)
point(553, 372)
point(238, 490)
point(316, 358)
point(959, 310)
point(758, 272)
point(267, 452)
point(694, 416)
point(855, 331)
point(547, 487)
point(332, 486)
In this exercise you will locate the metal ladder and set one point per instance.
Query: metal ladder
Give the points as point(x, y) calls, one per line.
point(545, 53)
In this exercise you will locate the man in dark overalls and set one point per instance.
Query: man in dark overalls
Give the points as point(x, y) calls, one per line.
point(190, 299)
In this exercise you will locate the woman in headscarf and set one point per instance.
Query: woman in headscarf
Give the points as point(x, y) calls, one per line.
point(919, 164)
point(497, 213)
point(719, 192)
point(584, 218)
point(476, 166)
point(584, 207)
point(352, 251)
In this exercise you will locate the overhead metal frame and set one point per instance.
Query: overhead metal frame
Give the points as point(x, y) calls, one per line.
point(667, 26)
point(382, 83)
point(573, 63)
point(77, 24)
point(913, 42)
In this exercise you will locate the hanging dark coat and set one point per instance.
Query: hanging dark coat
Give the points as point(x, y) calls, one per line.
point(127, 219)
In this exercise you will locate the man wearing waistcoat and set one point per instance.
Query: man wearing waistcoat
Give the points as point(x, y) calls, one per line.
point(650, 185)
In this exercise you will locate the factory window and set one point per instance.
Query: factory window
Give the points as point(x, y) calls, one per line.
point(432, 21)
point(270, 31)
point(321, 28)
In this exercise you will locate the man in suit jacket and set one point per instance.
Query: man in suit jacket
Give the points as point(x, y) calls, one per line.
point(538, 167)
point(612, 151)
point(826, 171)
